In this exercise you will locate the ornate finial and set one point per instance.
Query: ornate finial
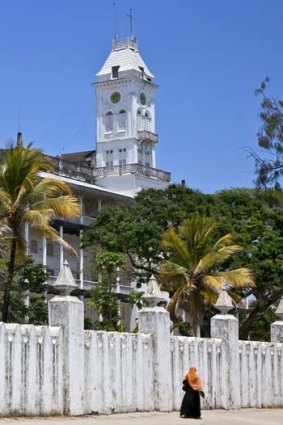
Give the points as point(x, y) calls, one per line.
point(153, 294)
point(224, 302)
point(279, 310)
point(65, 281)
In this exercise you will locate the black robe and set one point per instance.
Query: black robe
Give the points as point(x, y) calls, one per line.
point(190, 407)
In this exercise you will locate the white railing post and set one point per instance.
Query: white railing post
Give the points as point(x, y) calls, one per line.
point(226, 327)
point(68, 312)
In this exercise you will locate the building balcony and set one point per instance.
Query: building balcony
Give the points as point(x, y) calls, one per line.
point(138, 169)
point(147, 136)
point(73, 170)
point(120, 290)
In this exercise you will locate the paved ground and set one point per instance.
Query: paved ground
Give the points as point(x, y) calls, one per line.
point(215, 417)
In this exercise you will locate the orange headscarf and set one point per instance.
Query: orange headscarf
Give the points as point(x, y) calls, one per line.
point(193, 379)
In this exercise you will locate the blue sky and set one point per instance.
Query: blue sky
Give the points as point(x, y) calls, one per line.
point(208, 57)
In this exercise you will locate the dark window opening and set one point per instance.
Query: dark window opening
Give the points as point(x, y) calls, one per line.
point(115, 72)
point(142, 70)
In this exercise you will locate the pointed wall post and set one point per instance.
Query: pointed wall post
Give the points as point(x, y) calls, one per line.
point(156, 321)
point(68, 312)
point(276, 328)
point(226, 327)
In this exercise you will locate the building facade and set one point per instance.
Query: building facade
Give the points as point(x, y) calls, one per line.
point(123, 163)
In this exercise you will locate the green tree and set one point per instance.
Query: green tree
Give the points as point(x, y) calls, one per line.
point(254, 217)
point(136, 230)
point(192, 272)
point(108, 264)
point(269, 169)
point(25, 197)
point(105, 303)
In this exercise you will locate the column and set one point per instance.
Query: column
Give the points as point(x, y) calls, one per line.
point(276, 328)
point(27, 239)
point(68, 312)
point(44, 251)
point(99, 205)
point(61, 232)
point(226, 327)
point(81, 262)
point(156, 321)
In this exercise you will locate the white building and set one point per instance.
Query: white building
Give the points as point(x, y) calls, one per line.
point(124, 161)
point(125, 121)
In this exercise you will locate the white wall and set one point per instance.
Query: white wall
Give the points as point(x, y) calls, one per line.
point(118, 372)
point(122, 372)
point(31, 370)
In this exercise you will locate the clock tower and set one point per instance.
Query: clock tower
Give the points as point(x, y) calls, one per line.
point(125, 121)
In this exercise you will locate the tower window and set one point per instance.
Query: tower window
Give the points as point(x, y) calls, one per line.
point(115, 71)
point(122, 120)
point(147, 119)
point(109, 122)
point(139, 120)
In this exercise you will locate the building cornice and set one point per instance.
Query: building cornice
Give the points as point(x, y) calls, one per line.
point(123, 82)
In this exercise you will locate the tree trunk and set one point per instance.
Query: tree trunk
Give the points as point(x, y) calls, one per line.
point(8, 284)
point(247, 326)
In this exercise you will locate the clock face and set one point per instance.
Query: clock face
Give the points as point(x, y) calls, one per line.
point(142, 99)
point(115, 97)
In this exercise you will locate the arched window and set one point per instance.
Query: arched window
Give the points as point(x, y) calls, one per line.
point(33, 246)
point(139, 120)
point(147, 121)
point(109, 122)
point(122, 117)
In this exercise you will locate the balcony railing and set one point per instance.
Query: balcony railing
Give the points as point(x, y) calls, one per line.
point(83, 219)
point(147, 136)
point(123, 43)
point(90, 284)
point(118, 170)
point(73, 170)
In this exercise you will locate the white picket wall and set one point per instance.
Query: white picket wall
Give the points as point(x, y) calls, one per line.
point(261, 371)
point(31, 370)
point(118, 372)
point(208, 355)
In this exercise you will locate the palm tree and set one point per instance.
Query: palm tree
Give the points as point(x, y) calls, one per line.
point(192, 271)
point(25, 197)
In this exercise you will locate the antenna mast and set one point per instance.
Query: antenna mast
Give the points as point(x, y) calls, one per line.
point(130, 15)
point(115, 20)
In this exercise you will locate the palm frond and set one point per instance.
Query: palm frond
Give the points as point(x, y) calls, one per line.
point(64, 206)
point(172, 275)
point(175, 298)
point(240, 278)
point(176, 247)
point(216, 258)
point(225, 240)
point(50, 187)
point(213, 283)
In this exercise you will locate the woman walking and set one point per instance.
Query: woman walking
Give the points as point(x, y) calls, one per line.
point(190, 407)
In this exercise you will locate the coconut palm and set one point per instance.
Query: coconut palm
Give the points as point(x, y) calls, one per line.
point(27, 198)
point(192, 273)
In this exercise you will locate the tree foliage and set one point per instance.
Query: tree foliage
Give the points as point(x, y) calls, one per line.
point(28, 282)
point(269, 169)
point(27, 198)
point(195, 269)
point(255, 218)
